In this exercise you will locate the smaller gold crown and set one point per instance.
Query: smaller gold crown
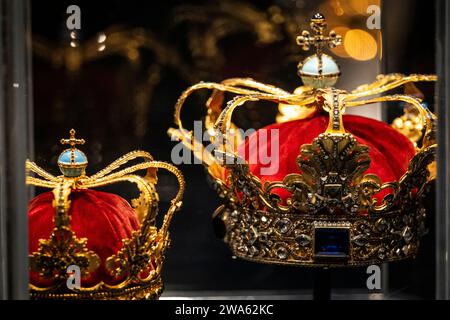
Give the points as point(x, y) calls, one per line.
point(137, 264)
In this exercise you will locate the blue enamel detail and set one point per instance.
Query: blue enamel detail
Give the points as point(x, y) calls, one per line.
point(66, 157)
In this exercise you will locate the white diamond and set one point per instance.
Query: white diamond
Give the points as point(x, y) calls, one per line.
point(282, 253)
point(303, 240)
point(283, 225)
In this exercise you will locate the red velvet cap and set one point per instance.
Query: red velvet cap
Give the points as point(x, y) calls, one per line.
point(389, 150)
point(105, 219)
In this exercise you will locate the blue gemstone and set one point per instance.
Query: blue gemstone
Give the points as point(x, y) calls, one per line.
point(332, 243)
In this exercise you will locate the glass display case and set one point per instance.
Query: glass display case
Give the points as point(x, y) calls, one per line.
point(114, 72)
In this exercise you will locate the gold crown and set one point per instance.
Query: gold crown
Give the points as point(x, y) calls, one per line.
point(332, 200)
point(137, 264)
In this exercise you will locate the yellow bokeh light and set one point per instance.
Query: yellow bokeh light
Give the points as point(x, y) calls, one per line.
point(360, 6)
point(352, 7)
point(336, 5)
point(340, 50)
point(133, 54)
point(360, 45)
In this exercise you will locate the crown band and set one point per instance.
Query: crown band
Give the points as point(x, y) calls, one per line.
point(297, 233)
point(295, 239)
point(149, 291)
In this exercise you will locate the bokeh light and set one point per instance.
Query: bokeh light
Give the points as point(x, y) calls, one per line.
point(340, 50)
point(360, 45)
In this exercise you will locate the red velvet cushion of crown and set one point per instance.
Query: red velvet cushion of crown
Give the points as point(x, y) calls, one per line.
point(390, 151)
point(105, 219)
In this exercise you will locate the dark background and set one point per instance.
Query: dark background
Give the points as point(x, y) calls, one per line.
point(119, 103)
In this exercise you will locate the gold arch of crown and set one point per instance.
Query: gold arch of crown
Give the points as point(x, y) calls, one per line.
point(146, 245)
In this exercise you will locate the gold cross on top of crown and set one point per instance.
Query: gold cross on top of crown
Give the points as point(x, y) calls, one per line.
point(72, 140)
point(319, 40)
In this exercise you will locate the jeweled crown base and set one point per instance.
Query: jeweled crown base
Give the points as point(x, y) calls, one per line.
point(323, 240)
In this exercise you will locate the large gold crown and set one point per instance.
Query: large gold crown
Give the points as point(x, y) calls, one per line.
point(331, 216)
point(136, 267)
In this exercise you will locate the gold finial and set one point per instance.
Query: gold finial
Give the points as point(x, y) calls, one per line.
point(319, 40)
point(72, 141)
